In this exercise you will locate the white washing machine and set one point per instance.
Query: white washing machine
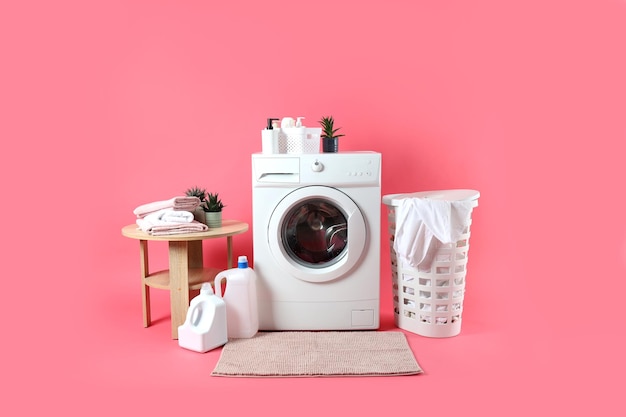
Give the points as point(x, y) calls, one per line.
point(316, 240)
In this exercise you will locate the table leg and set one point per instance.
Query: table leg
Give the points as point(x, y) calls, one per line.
point(195, 253)
point(179, 283)
point(195, 260)
point(229, 251)
point(145, 290)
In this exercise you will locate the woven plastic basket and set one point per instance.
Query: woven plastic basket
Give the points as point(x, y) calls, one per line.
point(430, 303)
point(299, 140)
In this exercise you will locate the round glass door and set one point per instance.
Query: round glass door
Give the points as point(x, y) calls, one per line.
point(317, 234)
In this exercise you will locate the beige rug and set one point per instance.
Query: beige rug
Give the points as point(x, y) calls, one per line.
point(318, 354)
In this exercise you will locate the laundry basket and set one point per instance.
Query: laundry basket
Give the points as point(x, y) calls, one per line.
point(429, 302)
point(297, 140)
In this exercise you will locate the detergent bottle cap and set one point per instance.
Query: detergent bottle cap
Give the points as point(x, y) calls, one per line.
point(242, 262)
point(206, 289)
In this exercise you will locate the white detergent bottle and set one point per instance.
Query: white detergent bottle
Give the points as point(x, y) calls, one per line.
point(241, 299)
point(205, 326)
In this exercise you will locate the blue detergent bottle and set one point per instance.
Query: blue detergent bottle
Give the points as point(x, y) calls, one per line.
point(240, 296)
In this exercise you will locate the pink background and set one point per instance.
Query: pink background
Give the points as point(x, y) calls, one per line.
point(106, 105)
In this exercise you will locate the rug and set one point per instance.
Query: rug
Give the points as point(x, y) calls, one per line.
point(318, 354)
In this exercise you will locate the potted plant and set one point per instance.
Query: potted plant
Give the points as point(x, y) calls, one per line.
point(212, 207)
point(198, 213)
point(330, 137)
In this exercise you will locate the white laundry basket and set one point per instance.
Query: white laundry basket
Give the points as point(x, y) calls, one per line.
point(430, 303)
point(297, 140)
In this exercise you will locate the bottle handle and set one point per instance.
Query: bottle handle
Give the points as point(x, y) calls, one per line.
point(195, 315)
point(217, 283)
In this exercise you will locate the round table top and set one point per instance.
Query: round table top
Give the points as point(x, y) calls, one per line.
point(229, 228)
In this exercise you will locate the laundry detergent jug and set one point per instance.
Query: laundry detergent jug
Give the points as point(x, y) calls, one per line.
point(241, 299)
point(205, 326)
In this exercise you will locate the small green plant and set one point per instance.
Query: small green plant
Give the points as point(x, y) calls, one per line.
point(196, 192)
point(328, 128)
point(212, 203)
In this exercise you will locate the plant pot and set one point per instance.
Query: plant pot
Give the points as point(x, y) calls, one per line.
point(199, 216)
point(213, 219)
point(330, 144)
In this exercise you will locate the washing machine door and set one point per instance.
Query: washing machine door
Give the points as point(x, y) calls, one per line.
point(317, 234)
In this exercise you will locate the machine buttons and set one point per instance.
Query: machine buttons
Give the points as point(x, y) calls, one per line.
point(317, 166)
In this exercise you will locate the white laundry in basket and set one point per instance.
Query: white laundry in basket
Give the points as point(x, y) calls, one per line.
point(423, 224)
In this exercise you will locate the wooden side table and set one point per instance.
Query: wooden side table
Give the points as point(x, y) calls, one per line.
point(186, 269)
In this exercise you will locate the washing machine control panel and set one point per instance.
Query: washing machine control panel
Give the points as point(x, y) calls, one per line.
point(334, 169)
point(337, 169)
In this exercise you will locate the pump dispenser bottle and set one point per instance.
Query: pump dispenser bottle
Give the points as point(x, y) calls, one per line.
point(269, 137)
point(240, 297)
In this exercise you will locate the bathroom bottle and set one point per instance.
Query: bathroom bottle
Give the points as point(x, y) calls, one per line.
point(205, 326)
point(287, 122)
point(269, 138)
point(240, 297)
point(299, 129)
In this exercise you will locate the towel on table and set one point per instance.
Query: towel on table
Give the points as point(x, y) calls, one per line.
point(423, 225)
point(169, 222)
point(181, 203)
point(177, 216)
point(169, 215)
point(162, 228)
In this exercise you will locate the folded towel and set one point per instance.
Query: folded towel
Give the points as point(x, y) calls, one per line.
point(168, 215)
point(422, 225)
point(184, 203)
point(177, 216)
point(170, 228)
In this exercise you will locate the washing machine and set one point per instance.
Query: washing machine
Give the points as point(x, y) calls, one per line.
point(316, 240)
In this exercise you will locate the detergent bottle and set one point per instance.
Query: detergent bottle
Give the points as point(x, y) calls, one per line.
point(241, 299)
point(205, 326)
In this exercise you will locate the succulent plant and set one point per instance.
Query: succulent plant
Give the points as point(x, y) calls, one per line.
point(328, 128)
point(212, 203)
point(196, 192)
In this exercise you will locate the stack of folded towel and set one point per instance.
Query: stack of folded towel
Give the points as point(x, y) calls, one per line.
point(169, 217)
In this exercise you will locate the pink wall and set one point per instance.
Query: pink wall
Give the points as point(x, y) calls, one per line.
point(108, 105)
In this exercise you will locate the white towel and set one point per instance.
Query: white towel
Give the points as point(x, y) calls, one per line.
point(167, 216)
point(171, 216)
point(177, 216)
point(423, 224)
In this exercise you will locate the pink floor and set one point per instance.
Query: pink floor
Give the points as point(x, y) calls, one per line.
point(504, 362)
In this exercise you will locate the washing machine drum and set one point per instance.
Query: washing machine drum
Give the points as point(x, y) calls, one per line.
point(317, 234)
